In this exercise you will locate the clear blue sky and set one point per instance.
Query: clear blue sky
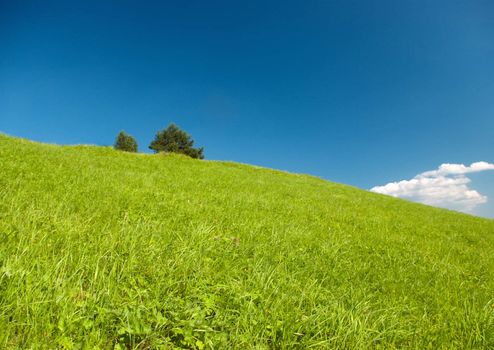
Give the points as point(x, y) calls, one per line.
point(358, 92)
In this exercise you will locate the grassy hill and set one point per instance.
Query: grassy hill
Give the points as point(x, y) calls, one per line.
point(105, 249)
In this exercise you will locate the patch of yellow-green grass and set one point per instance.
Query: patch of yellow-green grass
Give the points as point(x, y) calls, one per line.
point(106, 249)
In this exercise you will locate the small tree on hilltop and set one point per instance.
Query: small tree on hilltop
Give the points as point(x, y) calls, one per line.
point(172, 139)
point(125, 142)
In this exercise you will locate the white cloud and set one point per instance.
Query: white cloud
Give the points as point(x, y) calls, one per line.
point(457, 169)
point(445, 187)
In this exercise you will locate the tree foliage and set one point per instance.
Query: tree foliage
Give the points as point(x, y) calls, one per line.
point(173, 139)
point(125, 142)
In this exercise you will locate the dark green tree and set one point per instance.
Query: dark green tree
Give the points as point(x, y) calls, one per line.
point(173, 139)
point(125, 142)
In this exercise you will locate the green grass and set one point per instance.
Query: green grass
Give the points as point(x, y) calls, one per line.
point(106, 249)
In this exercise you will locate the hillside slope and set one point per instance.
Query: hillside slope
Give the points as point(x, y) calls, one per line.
point(104, 249)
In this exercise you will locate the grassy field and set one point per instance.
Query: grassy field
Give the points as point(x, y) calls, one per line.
point(106, 249)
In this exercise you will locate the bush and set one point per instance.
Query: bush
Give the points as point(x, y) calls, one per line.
point(173, 139)
point(125, 142)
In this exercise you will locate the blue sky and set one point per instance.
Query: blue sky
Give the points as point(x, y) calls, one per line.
point(359, 92)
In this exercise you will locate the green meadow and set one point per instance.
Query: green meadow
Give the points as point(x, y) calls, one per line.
point(101, 249)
